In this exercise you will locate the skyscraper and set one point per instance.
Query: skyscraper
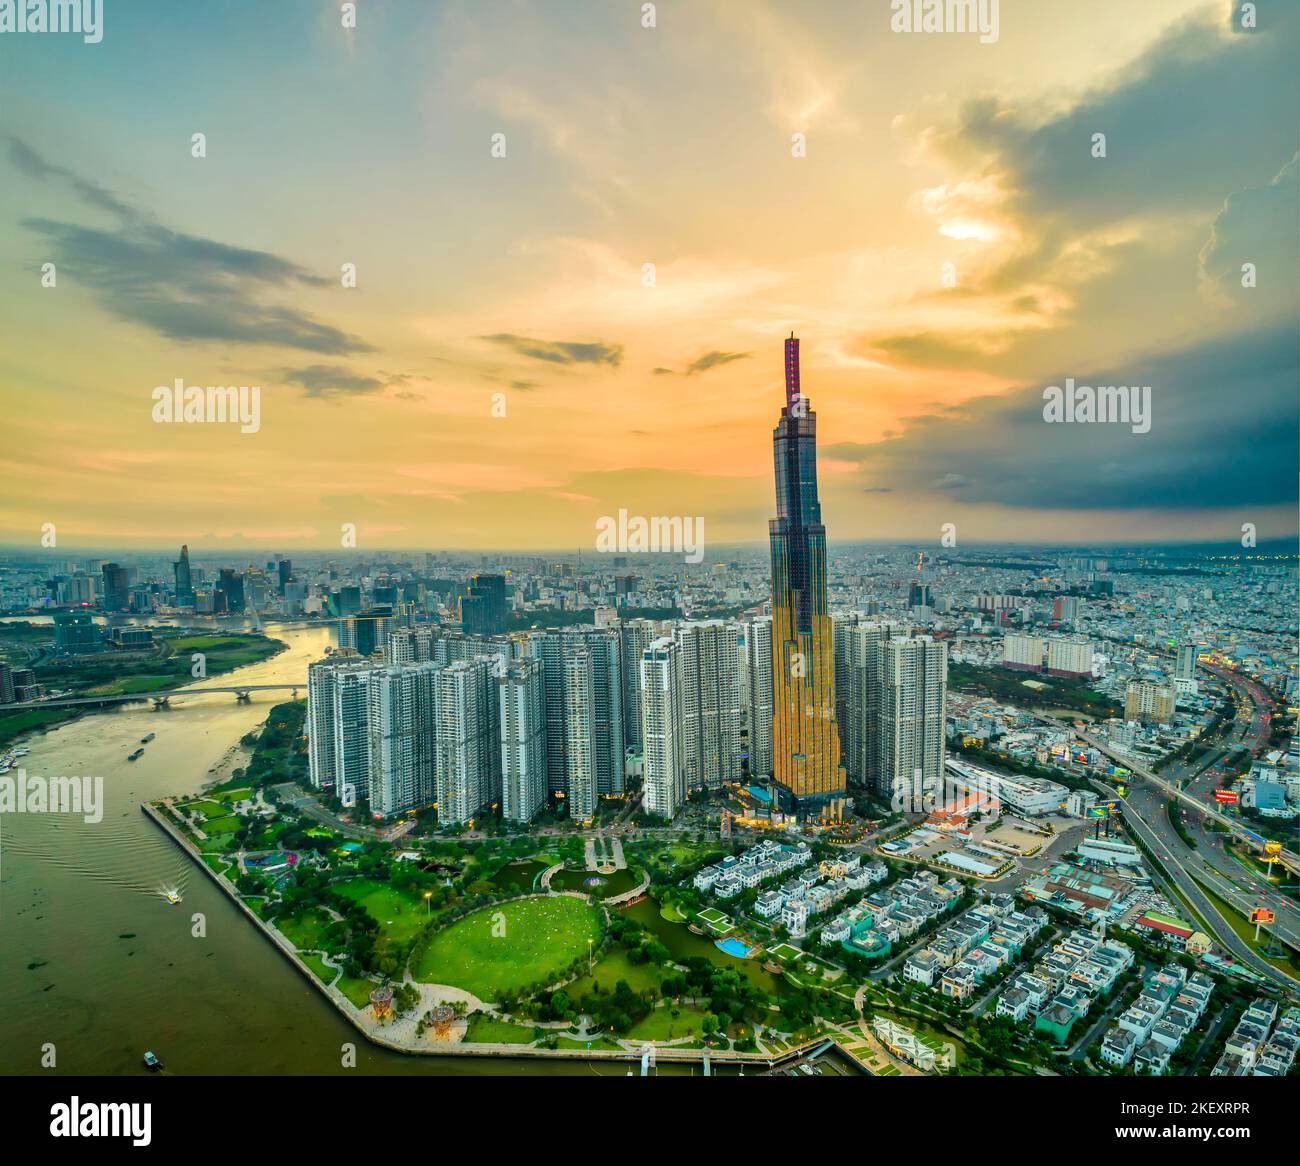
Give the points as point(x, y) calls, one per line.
point(483, 610)
point(184, 579)
point(117, 582)
point(805, 735)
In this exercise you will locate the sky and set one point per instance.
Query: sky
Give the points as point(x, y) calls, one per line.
point(594, 321)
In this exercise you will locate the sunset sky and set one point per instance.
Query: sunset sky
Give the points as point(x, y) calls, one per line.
point(523, 275)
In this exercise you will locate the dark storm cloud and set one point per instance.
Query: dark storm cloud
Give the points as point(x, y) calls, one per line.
point(1225, 427)
point(560, 351)
point(182, 286)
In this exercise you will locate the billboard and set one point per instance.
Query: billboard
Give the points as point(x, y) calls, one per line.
point(1272, 848)
point(1262, 915)
point(1229, 796)
point(1097, 811)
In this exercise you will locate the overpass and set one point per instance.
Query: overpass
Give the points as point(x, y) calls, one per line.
point(1288, 858)
point(241, 692)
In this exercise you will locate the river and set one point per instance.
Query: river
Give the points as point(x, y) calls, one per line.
point(94, 962)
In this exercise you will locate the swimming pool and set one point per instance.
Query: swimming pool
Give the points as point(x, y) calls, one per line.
point(733, 946)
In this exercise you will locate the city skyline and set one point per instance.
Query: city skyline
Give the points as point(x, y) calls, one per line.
point(377, 400)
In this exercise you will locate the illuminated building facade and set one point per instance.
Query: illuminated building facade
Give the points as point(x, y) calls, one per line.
point(805, 734)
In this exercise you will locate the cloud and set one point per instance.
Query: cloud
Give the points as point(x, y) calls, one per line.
point(565, 352)
point(1224, 432)
point(182, 286)
point(712, 360)
point(1256, 225)
point(326, 380)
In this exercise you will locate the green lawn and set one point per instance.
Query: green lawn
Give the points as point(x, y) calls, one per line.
point(323, 973)
point(615, 966)
point(661, 1025)
point(505, 948)
point(400, 915)
point(306, 930)
point(358, 991)
point(227, 825)
point(213, 809)
point(487, 1030)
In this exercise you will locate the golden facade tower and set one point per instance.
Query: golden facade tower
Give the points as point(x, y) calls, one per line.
point(805, 736)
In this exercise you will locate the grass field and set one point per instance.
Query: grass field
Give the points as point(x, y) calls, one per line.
point(318, 966)
point(358, 991)
point(505, 948)
point(401, 916)
point(662, 1025)
point(306, 930)
point(611, 968)
point(487, 1030)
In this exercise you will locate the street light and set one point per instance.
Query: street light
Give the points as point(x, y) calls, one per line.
point(427, 896)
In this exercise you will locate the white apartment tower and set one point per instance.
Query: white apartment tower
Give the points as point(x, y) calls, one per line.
point(662, 728)
point(913, 684)
point(522, 716)
point(710, 703)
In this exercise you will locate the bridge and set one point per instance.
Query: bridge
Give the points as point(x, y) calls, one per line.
point(241, 692)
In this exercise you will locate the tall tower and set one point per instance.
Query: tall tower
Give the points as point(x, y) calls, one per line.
point(805, 735)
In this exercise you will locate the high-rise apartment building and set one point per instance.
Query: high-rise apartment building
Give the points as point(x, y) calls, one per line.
point(754, 644)
point(663, 771)
point(1023, 652)
point(1151, 702)
point(1069, 656)
point(709, 667)
point(464, 693)
point(913, 685)
point(521, 699)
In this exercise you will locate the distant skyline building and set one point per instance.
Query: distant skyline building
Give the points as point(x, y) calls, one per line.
point(483, 609)
point(117, 583)
point(184, 579)
point(805, 735)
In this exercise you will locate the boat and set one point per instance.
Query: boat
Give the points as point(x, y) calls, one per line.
point(146, 740)
point(152, 1063)
point(173, 897)
point(133, 756)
